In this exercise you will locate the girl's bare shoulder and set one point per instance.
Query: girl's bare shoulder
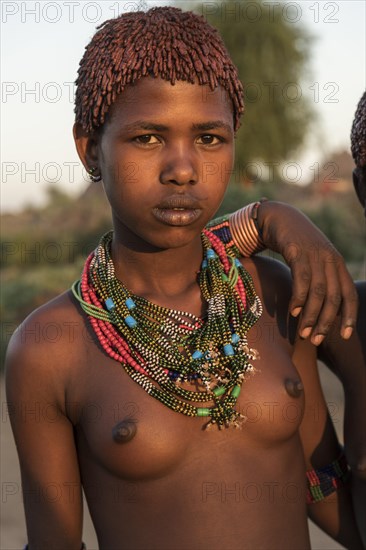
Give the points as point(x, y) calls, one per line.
point(49, 341)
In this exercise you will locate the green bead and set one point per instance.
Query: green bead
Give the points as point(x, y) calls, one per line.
point(219, 390)
point(202, 411)
point(236, 391)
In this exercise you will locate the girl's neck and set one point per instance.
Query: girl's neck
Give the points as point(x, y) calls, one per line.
point(157, 274)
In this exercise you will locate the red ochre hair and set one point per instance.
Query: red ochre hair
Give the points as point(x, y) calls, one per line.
point(358, 133)
point(163, 42)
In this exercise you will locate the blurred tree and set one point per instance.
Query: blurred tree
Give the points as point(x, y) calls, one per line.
point(271, 50)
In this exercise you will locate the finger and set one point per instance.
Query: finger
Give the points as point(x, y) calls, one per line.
point(309, 291)
point(341, 295)
point(332, 298)
point(347, 290)
point(349, 306)
point(327, 317)
point(300, 287)
point(313, 307)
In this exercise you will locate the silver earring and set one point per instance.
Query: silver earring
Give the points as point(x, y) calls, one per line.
point(94, 177)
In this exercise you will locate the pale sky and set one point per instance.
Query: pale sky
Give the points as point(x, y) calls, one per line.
point(42, 43)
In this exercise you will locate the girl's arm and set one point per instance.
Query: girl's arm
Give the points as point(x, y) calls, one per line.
point(321, 283)
point(44, 439)
point(334, 514)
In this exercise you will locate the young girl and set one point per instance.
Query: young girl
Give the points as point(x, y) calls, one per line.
point(170, 344)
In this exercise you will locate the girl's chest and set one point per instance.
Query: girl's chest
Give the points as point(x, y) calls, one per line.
point(135, 436)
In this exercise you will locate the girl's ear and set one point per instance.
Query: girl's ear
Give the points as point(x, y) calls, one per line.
point(86, 146)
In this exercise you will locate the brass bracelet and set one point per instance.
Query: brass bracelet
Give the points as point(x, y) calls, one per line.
point(245, 231)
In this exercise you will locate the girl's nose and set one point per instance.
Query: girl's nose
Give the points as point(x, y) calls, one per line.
point(180, 166)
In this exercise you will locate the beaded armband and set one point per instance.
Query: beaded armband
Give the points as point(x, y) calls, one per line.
point(324, 481)
point(221, 228)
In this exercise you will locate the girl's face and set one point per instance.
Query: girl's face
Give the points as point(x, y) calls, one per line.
point(165, 154)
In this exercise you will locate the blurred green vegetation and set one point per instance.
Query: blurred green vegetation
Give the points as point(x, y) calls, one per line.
point(43, 249)
point(272, 55)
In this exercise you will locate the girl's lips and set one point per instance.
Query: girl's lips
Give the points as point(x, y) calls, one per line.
point(178, 209)
point(177, 216)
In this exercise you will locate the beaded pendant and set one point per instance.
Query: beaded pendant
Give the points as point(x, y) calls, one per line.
point(166, 351)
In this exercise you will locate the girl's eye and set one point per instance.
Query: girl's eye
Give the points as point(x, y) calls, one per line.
point(209, 139)
point(147, 139)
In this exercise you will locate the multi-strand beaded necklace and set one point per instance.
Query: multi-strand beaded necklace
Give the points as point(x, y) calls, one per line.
point(168, 352)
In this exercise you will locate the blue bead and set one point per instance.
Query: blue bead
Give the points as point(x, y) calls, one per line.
point(235, 338)
point(197, 354)
point(204, 264)
point(130, 321)
point(237, 263)
point(130, 303)
point(228, 349)
point(210, 254)
point(109, 304)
